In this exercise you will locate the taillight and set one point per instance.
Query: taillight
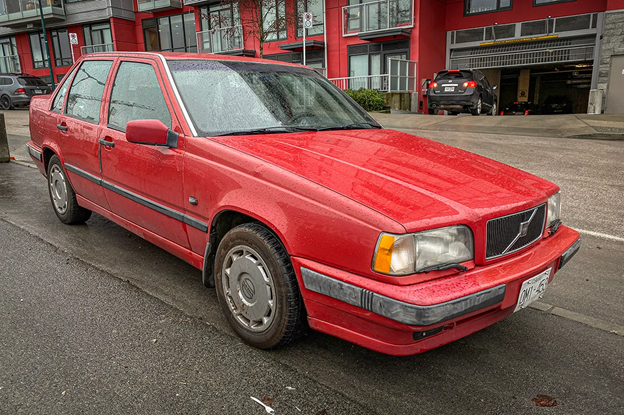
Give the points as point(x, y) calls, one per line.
point(470, 84)
point(20, 91)
point(433, 85)
point(502, 112)
point(526, 112)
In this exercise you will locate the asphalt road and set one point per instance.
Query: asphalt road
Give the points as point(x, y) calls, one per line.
point(80, 307)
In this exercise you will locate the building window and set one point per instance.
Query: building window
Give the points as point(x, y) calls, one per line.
point(312, 6)
point(217, 16)
point(368, 63)
point(486, 6)
point(274, 20)
point(171, 33)
point(546, 2)
point(98, 38)
point(38, 49)
point(61, 47)
point(9, 59)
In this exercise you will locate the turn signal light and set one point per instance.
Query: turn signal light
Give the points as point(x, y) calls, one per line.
point(20, 91)
point(470, 84)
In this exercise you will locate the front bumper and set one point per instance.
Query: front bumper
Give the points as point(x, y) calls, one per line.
point(405, 320)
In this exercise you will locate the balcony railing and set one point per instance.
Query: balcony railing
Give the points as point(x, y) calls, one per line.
point(377, 16)
point(16, 12)
point(401, 77)
point(104, 47)
point(219, 40)
point(151, 5)
point(378, 82)
point(10, 64)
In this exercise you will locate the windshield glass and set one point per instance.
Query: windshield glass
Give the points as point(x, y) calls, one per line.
point(224, 97)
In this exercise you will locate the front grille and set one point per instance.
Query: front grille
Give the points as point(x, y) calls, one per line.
point(504, 234)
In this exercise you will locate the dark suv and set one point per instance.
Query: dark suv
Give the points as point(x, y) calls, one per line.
point(466, 90)
point(16, 90)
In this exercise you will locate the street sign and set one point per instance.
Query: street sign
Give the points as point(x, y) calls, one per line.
point(73, 38)
point(307, 20)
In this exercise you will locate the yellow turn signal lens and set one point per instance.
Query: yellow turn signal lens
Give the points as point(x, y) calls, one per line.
point(384, 254)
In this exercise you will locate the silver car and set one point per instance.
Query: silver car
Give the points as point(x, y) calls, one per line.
point(17, 89)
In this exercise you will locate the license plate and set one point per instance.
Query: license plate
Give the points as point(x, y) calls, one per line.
point(449, 88)
point(532, 289)
point(38, 91)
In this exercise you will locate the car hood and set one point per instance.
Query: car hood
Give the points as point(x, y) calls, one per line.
point(417, 182)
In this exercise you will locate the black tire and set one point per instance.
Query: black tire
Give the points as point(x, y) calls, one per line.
point(60, 189)
point(432, 112)
point(5, 102)
point(477, 109)
point(261, 250)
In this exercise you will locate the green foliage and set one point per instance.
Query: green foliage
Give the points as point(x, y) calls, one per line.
point(369, 99)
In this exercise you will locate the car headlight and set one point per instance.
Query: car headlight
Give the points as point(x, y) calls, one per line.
point(412, 253)
point(554, 209)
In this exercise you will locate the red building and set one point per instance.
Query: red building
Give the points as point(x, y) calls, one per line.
point(532, 49)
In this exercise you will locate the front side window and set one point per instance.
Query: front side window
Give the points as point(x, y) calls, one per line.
point(57, 105)
point(85, 94)
point(61, 47)
point(39, 52)
point(136, 95)
point(486, 6)
point(274, 23)
point(277, 97)
point(311, 6)
point(170, 33)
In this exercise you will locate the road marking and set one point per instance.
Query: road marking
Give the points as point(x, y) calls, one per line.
point(579, 318)
point(601, 235)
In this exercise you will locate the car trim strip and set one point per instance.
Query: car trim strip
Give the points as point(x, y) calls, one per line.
point(406, 313)
point(34, 152)
point(140, 199)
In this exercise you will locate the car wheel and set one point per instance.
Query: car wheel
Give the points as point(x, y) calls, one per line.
point(493, 111)
point(63, 196)
point(477, 109)
point(5, 102)
point(257, 287)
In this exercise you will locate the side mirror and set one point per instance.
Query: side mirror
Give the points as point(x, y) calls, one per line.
point(494, 87)
point(151, 132)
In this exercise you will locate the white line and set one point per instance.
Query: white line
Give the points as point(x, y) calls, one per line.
point(601, 235)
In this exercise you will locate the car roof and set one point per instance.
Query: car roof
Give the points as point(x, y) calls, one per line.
point(188, 56)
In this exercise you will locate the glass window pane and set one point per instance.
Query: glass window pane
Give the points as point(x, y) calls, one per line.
point(85, 94)
point(136, 95)
point(165, 34)
point(177, 33)
point(60, 97)
point(189, 32)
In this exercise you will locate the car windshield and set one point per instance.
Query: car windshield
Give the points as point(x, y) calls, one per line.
point(230, 97)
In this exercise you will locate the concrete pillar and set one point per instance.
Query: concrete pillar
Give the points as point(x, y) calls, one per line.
point(5, 156)
point(523, 85)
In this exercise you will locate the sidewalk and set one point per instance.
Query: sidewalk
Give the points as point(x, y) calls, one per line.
point(600, 127)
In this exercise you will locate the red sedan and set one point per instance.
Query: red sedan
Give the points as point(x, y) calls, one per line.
point(296, 204)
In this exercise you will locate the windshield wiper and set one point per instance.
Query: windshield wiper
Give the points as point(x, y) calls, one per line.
point(354, 126)
point(268, 130)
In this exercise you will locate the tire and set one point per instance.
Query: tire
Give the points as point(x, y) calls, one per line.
point(62, 195)
point(249, 258)
point(432, 112)
point(5, 102)
point(478, 107)
point(494, 109)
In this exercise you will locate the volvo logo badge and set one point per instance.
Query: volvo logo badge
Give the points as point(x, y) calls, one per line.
point(524, 227)
point(248, 288)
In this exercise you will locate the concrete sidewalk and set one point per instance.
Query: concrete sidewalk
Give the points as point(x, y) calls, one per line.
point(601, 127)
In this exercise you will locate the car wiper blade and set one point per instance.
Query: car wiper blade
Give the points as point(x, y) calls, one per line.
point(443, 267)
point(354, 126)
point(268, 130)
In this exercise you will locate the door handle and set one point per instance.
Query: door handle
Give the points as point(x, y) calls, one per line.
point(110, 144)
point(61, 127)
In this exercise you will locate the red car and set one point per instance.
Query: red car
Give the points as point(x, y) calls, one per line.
point(294, 202)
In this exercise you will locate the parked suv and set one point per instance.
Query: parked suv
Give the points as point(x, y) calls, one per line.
point(17, 89)
point(463, 90)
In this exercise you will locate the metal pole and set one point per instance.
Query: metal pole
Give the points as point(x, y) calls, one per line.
point(304, 38)
point(47, 46)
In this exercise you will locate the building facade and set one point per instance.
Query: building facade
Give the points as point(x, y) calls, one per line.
point(531, 49)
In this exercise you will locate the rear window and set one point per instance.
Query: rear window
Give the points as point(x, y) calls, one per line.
point(31, 81)
point(454, 75)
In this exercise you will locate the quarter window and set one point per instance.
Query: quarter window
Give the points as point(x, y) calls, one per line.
point(136, 95)
point(62, 48)
point(85, 95)
point(57, 105)
point(486, 6)
point(39, 52)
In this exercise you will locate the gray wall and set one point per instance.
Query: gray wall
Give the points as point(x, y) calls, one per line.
point(612, 44)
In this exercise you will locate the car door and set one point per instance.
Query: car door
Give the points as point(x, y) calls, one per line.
point(78, 126)
point(143, 182)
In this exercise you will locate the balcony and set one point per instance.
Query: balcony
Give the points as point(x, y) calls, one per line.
point(378, 19)
point(193, 3)
point(158, 5)
point(223, 40)
point(10, 64)
point(104, 47)
point(15, 13)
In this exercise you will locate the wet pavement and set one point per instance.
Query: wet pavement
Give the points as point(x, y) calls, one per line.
point(81, 306)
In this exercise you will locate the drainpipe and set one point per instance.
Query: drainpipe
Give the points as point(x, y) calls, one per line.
point(47, 46)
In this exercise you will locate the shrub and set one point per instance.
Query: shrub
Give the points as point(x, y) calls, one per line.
point(369, 99)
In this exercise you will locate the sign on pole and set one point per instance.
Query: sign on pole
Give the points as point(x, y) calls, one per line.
point(73, 40)
point(307, 24)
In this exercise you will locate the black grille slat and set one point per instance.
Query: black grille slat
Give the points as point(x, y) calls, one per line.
point(501, 232)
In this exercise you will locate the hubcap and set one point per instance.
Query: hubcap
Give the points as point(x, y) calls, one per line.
point(58, 189)
point(248, 288)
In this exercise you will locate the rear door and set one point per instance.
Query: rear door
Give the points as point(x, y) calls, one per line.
point(143, 182)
